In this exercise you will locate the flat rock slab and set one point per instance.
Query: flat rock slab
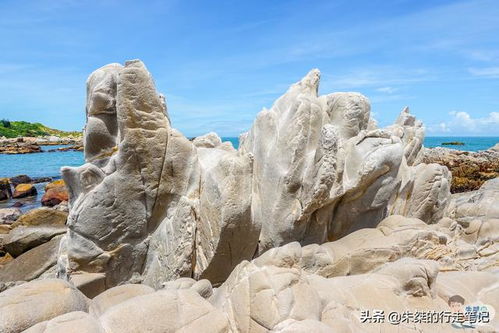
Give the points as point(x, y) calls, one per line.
point(22, 239)
point(31, 264)
point(42, 216)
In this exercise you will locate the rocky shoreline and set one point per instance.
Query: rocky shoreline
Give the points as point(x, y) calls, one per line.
point(28, 145)
point(318, 217)
point(470, 170)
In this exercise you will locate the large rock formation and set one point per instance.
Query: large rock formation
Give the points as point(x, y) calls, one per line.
point(318, 217)
point(152, 206)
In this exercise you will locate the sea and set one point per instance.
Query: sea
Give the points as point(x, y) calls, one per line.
point(48, 164)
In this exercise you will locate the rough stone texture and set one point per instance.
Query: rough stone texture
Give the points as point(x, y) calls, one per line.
point(296, 229)
point(469, 169)
point(156, 197)
point(5, 190)
point(24, 190)
point(152, 205)
point(55, 193)
point(32, 264)
point(28, 304)
point(22, 239)
point(42, 217)
point(9, 215)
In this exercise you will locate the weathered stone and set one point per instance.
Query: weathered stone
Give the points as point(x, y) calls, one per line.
point(42, 217)
point(24, 190)
point(20, 179)
point(152, 206)
point(164, 311)
point(30, 265)
point(9, 215)
point(55, 193)
point(90, 284)
point(104, 301)
point(22, 239)
point(74, 322)
point(28, 304)
point(5, 190)
point(469, 169)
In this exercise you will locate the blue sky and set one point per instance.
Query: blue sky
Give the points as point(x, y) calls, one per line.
point(220, 62)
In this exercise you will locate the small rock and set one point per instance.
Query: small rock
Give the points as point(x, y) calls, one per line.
point(20, 179)
point(17, 204)
point(9, 215)
point(42, 180)
point(4, 229)
point(5, 190)
point(5, 259)
point(55, 193)
point(24, 190)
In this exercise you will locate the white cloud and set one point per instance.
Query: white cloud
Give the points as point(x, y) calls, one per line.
point(490, 72)
point(388, 90)
point(462, 123)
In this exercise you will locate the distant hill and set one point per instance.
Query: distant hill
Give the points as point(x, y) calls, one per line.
point(13, 129)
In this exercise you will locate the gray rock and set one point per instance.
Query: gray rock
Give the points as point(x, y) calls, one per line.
point(22, 239)
point(33, 263)
point(9, 215)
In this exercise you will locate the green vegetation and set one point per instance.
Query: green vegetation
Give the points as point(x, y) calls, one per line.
point(14, 129)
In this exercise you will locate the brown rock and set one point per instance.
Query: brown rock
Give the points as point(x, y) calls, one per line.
point(4, 229)
point(5, 259)
point(22, 239)
point(469, 169)
point(32, 264)
point(20, 179)
point(5, 191)
point(55, 193)
point(24, 190)
point(42, 216)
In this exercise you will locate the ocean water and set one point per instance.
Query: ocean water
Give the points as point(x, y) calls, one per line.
point(470, 143)
point(39, 164)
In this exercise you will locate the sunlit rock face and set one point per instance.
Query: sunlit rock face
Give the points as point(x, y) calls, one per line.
point(152, 206)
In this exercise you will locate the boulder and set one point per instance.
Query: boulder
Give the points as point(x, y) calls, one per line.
point(20, 179)
point(5, 190)
point(164, 311)
point(111, 297)
point(22, 239)
point(42, 217)
point(55, 193)
point(74, 322)
point(24, 190)
point(28, 304)
point(33, 263)
point(9, 215)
